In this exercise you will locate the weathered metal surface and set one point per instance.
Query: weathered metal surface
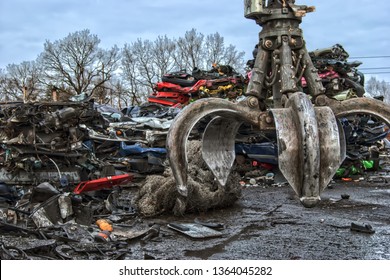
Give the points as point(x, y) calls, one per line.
point(218, 149)
point(24, 177)
point(332, 145)
point(186, 120)
point(298, 146)
point(311, 146)
point(353, 106)
point(255, 86)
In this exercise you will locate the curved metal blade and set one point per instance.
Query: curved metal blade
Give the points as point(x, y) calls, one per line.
point(343, 142)
point(353, 106)
point(299, 148)
point(368, 106)
point(218, 147)
point(184, 123)
point(332, 145)
point(289, 155)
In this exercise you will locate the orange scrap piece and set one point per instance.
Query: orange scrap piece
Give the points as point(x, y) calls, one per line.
point(104, 225)
point(346, 179)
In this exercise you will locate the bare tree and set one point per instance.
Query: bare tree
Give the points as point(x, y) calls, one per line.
point(214, 49)
point(378, 88)
point(23, 81)
point(233, 58)
point(76, 64)
point(196, 50)
point(121, 95)
point(142, 55)
point(163, 55)
point(216, 52)
point(135, 83)
point(190, 50)
point(9, 92)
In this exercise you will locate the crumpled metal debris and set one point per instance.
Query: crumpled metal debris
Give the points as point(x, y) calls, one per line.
point(195, 230)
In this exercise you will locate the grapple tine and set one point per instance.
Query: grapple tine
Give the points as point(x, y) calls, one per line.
point(289, 157)
point(298, 143)
point(218, 147)
point(343, 143)
point(311, 145)
point(353, 106)
point(332, 145)
point(186, 120)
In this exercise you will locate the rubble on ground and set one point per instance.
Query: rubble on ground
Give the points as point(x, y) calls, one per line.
point(158, 194)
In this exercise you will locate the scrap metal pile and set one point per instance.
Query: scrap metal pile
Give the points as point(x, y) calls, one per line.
point(67, 169)
point(179, 88)
point(338, 75)
point(72, 142)
point(62, 165)
point(48, 142)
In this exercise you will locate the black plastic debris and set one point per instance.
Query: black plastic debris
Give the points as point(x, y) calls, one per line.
point(8, 193)
point(212, 225)
point(153, 232)
point(47, 213)
point(362, 228)
point(43, 192)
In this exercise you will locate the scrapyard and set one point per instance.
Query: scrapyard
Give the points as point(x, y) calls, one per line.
point(290, 161)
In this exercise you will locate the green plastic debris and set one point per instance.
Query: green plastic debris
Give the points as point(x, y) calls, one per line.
point(368, 164)
point(353, 170)
point(340, 172)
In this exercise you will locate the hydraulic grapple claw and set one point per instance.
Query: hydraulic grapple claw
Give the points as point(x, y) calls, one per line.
point(309, 146)
point(311, 141)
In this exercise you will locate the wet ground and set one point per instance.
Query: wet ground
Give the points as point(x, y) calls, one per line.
point(270, 223)
point(266, 223)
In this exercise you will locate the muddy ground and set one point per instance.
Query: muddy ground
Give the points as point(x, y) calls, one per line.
point(265, 223)
point(270, 223)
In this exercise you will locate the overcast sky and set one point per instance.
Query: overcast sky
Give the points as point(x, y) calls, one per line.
point(361, 26)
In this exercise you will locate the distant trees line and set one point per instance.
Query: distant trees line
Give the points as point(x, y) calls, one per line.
point(76, 64)
point(379, 89)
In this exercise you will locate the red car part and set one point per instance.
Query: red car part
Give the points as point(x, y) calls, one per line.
point(163, 101)
point(164, 86)
point(170, 87)
point(325, 75)
point(181, 98)
point(102, 183)
point(168, 99)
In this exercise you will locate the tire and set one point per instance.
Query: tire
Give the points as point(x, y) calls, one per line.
point(180, 82)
